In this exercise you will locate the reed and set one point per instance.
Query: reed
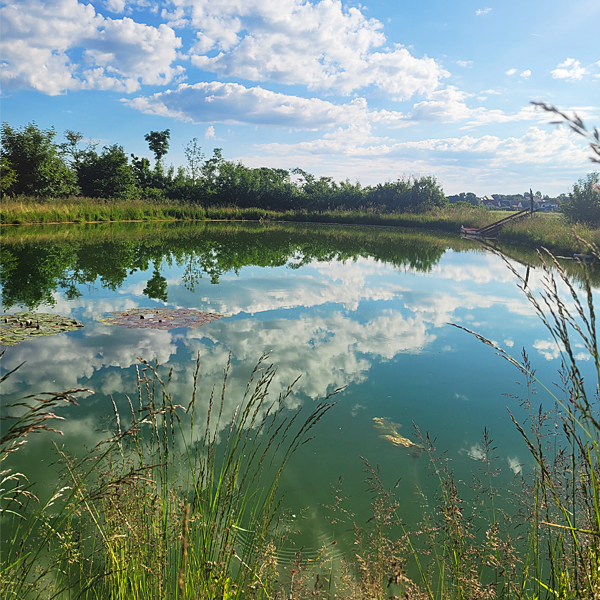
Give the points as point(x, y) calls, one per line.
point(548, 230)
point(22, 210)
point(543, 540)
point(156, 512)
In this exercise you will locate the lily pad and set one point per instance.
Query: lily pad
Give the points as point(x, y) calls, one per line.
point(161, 318)
point(21, 326)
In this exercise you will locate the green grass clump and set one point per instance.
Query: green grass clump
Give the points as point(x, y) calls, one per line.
point(156, 511)
point(22, 210)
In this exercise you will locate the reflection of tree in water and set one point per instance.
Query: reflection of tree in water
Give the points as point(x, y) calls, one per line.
point(33, 268)
point(156, 286)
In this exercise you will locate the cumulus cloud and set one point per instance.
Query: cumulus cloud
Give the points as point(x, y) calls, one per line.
point(446, 105)
point(526, 74)
point(234, 103)
point(320, 45)
point(482, 11)
point(40, 37)
point(511, 72)
point(536, 146)
point(549, 349)
point(570, 69)
point(514, 465)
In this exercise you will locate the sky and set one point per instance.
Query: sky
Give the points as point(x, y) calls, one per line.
point(367, 92)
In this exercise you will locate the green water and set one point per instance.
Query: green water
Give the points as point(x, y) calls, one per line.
point(364, 309)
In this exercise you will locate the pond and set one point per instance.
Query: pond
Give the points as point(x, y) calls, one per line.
point(365, 310)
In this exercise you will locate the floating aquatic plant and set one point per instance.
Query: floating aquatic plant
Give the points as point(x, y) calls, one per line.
point(161, 318)
point(389, 432)
point(21, 326)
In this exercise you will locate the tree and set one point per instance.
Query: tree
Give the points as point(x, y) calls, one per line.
point(156, 286)
point(33, 163)
point(195, 158)
point(8, 176)
point(466, 197)
point(142, 172)
point(584, 201)
point(106, 175)
point(158, 141)
point(408, 194)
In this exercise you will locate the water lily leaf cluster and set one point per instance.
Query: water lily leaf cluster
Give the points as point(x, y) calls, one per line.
point(161, 318)
point(18, 327)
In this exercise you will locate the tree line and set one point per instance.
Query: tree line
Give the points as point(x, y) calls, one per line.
point(34, 164)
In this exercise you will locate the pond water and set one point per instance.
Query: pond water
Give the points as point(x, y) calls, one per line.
point(368, 310)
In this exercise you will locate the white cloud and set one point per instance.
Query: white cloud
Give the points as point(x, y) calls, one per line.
point(116, 6)
point(526, 74)
point(570, 69)
point(447, 105)
point(511, 72)
point(209, 134)
point(482, 11)
point(536, 146)
point(549, 349)
point(234, 103)
point(320, 45)
point(464, 63)
point(39, 38)
point(476, 452)
point(514, 465)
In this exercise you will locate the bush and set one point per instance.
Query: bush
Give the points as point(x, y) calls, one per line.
point(584, 201)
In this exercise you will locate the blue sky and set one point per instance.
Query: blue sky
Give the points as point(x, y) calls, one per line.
point(369, 92)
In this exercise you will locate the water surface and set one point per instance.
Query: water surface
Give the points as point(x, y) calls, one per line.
point(368, 310)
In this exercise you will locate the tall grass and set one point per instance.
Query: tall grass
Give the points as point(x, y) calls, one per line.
point(22, 210)
point(540, 541)
point(155, 511)
point(563, 505)
point(548, 230)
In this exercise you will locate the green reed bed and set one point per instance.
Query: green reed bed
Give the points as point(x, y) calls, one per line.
point(551, 231)
point(548, 230)
point(156, 511)
point(86, 210)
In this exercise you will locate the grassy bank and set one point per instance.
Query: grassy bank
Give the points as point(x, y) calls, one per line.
point(177, 504)
point(548, 230)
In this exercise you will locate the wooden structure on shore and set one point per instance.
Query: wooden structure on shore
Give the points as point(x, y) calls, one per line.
point(492, 230)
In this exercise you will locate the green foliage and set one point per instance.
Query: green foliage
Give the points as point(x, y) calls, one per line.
point(8, 176)
point(106, 175)
point(158, 141)
point(584, 201)
point(195, 158)
point(262, 188)
point(32, 163)
point(468, 197)
point(414, 194)
point(156, 286)
point(144, 175)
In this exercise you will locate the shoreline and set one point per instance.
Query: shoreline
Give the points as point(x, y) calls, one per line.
point(544, 230)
